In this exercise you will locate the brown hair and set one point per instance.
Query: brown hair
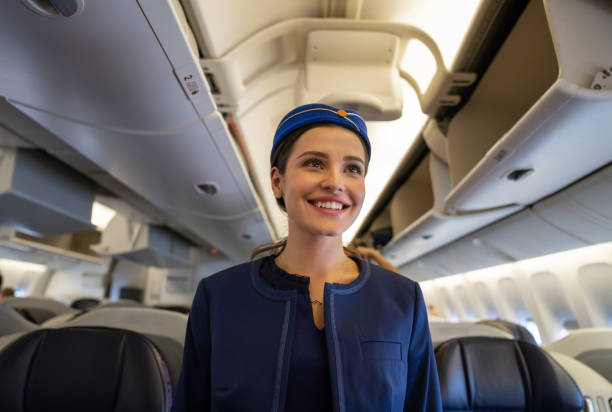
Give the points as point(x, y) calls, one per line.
point(279, 159)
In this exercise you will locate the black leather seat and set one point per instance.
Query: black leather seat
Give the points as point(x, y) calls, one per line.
point(519, 332)
point(494, 374)
point(83, 369)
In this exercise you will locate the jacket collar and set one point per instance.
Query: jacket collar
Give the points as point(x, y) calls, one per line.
point(342, 289)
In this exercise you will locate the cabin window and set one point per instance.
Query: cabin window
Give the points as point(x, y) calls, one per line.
point(596, 282)
point(450, 311)
point(485, 297)
point(532, 327)
point(466, 302)
point(554, 301)
point(513, 299)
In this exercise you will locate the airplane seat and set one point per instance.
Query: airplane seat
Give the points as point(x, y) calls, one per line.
point(175, 308)
point(83, 369)
point(85, 303)
point(35, 315)
point(443, 331)
point(591, 346)
point(519, 332)
point(165, 328)
point(37, 309)
point(488, 373)
point(13, 322)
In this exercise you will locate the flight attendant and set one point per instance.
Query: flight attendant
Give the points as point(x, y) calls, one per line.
point(310, 326)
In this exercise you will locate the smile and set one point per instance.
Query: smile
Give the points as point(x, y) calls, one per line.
point(329, 207)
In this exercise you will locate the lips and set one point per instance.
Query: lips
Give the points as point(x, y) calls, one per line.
point(329, 205)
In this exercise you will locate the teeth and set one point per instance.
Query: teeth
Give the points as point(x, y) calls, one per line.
point(329, 205)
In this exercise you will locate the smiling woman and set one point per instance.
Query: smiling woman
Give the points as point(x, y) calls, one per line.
point(311, 326)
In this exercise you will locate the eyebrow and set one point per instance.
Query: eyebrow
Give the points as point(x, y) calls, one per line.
point(325, 156)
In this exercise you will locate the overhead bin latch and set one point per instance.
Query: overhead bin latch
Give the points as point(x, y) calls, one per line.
point(442, 90)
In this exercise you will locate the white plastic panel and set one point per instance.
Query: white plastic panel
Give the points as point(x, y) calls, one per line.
point(432, 231)
point(591, 384)
point(584, 210)
point(118, 79)
point(486, 300)
point(355, 70)
point(552, 302)
point(217, 37)
point(512, 297)
point(595, 280)
point(524, 235)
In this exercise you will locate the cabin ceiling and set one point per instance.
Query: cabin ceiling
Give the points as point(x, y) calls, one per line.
point(151, 100)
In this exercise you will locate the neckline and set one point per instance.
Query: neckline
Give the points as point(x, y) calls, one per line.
point(341, 288)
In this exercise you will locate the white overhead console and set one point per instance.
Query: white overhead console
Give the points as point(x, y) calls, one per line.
point(354, 63)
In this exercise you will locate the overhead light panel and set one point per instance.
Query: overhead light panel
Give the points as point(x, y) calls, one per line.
point(101, 215)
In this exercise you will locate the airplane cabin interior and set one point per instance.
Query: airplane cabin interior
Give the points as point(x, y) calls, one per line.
point(134, 162)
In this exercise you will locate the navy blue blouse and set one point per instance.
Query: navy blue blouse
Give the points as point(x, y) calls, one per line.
point(308, 386)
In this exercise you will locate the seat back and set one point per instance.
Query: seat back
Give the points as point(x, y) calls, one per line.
point(519, 332)
point(443, 331)
point(484, 373)
point(165, 328)
point(83, 369)
point(591, 346)
point(37, 309)
point(13, 322)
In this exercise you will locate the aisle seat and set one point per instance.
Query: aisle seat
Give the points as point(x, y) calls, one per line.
point(13, 322)
point(518, 331)
point(487, 374)
point(37, 309)
point(83, 369)
point(165, 328)
point(591, 346)
point(442, 331)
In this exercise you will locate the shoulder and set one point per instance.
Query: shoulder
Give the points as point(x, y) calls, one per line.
point(231, 278)
point(379, 275)
point(392, 287)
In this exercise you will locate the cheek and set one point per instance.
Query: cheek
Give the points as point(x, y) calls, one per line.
point(358, 191)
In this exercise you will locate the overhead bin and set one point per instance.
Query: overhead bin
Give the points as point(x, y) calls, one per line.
point(536, 121)
point(143, 243)
point(583, 210)
point(418, 218)
point(41, 196)
point(55, 252)
point(533, 125)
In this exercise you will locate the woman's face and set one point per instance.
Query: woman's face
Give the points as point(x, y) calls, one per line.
point(323, 185)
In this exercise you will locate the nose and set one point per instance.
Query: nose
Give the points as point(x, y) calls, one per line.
point(333, 181)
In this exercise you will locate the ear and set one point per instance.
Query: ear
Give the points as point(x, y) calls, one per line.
point(277, 182)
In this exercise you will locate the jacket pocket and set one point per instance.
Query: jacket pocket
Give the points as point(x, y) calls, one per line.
point(376, 349)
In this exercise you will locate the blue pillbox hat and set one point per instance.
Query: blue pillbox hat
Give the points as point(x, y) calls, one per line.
point(320, 113)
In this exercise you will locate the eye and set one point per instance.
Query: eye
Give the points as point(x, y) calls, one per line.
point(314, 163)
point(355, 169)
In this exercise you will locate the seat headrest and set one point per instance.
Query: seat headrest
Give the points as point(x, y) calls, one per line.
point(482, 373)
point(83, 369)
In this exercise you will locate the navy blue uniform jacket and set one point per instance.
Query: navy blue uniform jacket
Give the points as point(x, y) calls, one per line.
point(240, 333)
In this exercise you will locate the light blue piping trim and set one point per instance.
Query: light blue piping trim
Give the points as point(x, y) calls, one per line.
point(279, 361)
point(339, 377)
point(332, 309)
point(275, 295)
